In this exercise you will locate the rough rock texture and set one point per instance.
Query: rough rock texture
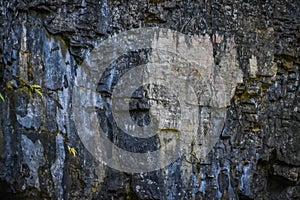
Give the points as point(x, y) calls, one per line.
point(257, 155)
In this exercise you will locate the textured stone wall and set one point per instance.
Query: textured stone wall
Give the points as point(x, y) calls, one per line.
point(257, 155)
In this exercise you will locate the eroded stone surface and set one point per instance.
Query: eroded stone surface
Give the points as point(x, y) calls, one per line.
point(178, 70)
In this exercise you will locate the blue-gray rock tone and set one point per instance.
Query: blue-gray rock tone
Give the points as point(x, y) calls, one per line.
point(256, 155)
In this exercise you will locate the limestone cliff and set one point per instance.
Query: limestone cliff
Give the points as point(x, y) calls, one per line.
point(249, 69)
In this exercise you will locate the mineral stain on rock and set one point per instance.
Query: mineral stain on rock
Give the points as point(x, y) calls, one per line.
point(256, 155)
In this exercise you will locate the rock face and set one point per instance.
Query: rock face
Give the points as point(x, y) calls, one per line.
point(251, 104)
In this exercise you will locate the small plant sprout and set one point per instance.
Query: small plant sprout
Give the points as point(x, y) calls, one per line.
point(72, 151)
point(36, 88)
point(1, 97)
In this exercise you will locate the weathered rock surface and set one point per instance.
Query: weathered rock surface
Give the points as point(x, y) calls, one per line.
point(257, 155)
